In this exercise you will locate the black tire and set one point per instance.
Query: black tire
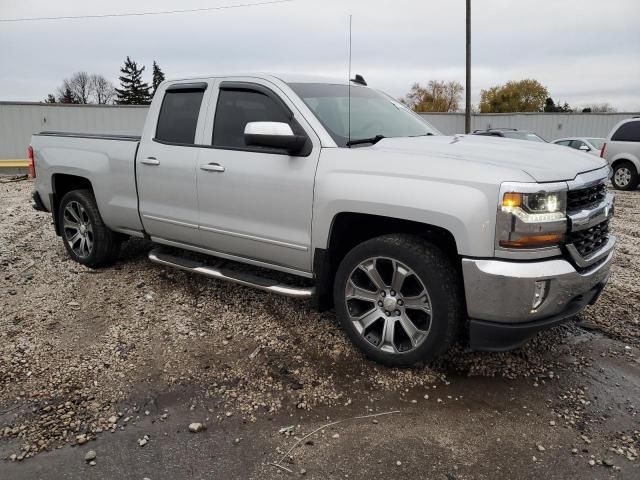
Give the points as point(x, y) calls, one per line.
point(631, 174)
point(438, 276)
point(105, 244)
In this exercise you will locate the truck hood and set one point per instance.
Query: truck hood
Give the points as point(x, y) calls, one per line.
point(543, 162)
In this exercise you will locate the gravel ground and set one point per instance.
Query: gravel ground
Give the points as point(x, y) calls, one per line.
point(84, 352)
point(617, 312)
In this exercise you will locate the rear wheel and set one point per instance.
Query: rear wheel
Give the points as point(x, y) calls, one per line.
point(87, 239)
point(398, 299)
point(625, 176)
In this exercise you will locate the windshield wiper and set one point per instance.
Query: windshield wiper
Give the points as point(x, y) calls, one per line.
point(428, 134)
point(359, 141)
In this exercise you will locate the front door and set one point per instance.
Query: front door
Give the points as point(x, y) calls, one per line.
point(256, 203)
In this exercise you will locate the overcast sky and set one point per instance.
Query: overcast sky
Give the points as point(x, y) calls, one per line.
point(583, 50)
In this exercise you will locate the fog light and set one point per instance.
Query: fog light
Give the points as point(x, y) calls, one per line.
point(539, 293)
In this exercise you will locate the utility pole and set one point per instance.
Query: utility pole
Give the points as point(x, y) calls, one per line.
point(467, 109)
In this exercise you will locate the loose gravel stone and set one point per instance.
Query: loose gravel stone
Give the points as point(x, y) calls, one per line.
point(197, 427)
point(90, 455)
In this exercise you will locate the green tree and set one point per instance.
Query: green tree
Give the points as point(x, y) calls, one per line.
point(133, 90)
point(551, 106)
point(158, 76)
point(515, 96)
point(436, 96)
point(66, 95)
point(50, 98)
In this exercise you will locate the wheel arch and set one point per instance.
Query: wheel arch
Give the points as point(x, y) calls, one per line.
point(626, 158)
point(349, 229)
point(61, 184)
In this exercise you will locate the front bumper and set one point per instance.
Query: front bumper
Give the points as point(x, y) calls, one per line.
point(501, 297)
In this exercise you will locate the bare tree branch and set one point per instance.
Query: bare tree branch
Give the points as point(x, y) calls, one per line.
point(102, 90)
point(80, 85)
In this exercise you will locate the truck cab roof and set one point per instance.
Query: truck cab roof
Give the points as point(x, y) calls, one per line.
point(283, 77)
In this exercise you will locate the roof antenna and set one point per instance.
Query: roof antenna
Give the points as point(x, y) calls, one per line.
point(349, 83)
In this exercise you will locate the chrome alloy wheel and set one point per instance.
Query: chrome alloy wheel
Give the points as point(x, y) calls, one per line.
point(622, 177)
point(388, 305)
point(78, 231)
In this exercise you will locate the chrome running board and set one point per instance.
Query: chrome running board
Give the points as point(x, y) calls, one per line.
point(242, 278)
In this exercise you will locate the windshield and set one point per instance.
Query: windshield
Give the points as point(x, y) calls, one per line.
point(372, 113)
point(524, 136)
point(596, 142)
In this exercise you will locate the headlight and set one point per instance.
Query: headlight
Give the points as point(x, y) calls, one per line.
point(529, 217)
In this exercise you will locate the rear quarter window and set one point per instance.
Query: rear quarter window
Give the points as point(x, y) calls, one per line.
point(627, 132)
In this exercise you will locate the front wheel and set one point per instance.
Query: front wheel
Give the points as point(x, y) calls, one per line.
point(625, 176)
point(398, 298)
point(87, 239)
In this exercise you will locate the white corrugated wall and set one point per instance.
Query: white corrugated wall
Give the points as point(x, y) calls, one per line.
point(19, 120)
point(550, 126)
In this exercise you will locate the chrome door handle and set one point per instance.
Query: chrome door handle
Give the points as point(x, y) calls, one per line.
point(212, 167)
point(150, 161)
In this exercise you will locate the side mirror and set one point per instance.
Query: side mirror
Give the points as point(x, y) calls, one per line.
point(584, 148)
point(273, 135)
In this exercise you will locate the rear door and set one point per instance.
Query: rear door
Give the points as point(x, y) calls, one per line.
point(255, 203)
point(167, 162)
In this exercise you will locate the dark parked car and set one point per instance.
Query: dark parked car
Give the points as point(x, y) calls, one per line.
point(510, 133)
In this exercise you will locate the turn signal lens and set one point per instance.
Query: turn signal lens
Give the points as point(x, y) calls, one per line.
point(532, 241)
point(512, 200)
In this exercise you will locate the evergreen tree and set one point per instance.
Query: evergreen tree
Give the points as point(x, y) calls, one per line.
point(551, 106)
point(67, 96)
point(50, 98)
point(133, 90)
point(158, 76)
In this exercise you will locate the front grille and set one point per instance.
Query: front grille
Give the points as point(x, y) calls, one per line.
point(585, 198)
point(589, 240)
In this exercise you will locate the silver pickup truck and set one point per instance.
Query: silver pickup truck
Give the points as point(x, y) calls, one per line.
point(417, 240)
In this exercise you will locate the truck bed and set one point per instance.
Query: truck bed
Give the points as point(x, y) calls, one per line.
point(106, 160)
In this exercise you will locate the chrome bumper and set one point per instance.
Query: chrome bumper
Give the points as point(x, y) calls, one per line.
point(505, 291)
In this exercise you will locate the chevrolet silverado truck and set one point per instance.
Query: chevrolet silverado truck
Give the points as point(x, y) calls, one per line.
point(418, 240)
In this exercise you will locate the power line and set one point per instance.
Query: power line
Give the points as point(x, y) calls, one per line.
point(140, 14)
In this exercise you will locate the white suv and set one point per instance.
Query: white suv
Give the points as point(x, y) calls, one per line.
point(622, 150)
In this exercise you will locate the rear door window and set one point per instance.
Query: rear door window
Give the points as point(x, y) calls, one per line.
point(178, 116)
point(628, 132)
